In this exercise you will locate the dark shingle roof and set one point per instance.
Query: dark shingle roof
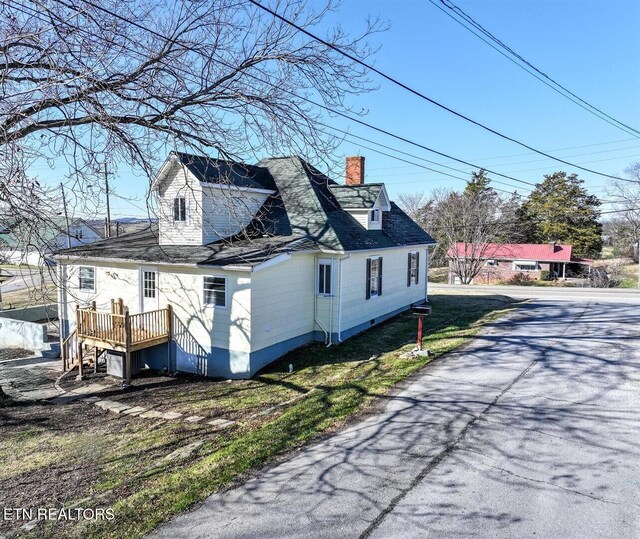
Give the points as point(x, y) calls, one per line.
point(210, 170)
point(356, 196)
point(304, 214)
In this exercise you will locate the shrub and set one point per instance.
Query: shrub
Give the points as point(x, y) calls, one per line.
point(546, 275)
point(520, 279)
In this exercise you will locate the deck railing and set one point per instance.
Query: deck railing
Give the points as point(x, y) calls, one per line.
point(123, 329)
point(116, 330)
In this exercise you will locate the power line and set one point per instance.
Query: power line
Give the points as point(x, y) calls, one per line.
point(510, 54)
point(320, 105)
point(329, 109)
point(540, 161)
point(421, 95)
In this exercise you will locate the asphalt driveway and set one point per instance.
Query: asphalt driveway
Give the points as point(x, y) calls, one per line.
point(531, 430)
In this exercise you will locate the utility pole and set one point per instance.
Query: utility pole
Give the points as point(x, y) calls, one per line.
point(106, 184)
point(66, 216)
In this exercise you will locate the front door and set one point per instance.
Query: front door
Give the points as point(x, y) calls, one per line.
point(148, 289)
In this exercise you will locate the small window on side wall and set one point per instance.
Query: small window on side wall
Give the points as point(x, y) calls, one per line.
point(413, 268)
point(179, 209)
point(87, 279)
point(324, 277)
point(375, 215)
point(215, 291)
point(374, 277)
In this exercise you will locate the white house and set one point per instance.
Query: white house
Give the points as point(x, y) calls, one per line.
point(255, 260)
point(21, 244)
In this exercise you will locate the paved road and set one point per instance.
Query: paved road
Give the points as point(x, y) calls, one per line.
point(614, 295)
point(23, 278)
point(531, 430)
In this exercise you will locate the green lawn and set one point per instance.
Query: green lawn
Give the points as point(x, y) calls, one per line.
point(78, 455)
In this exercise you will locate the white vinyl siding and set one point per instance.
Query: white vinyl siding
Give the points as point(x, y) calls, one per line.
point(283, 300)
point(228, 211)
point(180, 184)
point(198, 328)
point(396, 294)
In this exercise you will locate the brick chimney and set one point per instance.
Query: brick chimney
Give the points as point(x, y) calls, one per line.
point(355, 170)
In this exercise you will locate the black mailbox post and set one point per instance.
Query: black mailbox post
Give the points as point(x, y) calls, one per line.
point(421, 311)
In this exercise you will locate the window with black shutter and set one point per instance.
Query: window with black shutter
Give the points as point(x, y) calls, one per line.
point(374, 276)
point(413, 268)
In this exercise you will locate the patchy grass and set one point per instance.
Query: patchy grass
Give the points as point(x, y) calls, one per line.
point(439, 275)
point(75, 454)
point(28, 297)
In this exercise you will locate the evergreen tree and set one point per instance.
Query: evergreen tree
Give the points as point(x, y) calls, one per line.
point(560, 209)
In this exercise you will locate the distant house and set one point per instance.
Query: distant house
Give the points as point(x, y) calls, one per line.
point(501, 261)
point(246, 263)
point(22, 243)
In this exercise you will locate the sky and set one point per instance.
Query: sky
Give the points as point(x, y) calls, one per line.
point(589, 46)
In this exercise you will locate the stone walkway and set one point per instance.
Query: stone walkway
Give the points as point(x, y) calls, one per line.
point(139, 411)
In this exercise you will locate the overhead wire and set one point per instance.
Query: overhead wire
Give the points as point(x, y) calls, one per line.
point(421, 95)
point(525, 65)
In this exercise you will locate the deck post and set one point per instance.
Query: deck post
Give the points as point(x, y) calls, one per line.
point(127, 343)
point(169, 314)
point(80, 362)
point(79, 343)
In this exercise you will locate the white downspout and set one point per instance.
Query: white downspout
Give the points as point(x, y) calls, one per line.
point(315, 300)
point(340, 300)
point(331, 305)
point(426, 276)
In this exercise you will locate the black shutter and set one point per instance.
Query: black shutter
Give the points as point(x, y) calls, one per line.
point(176, 208)
point(409, 270)
point(417, 267)
point(380, 276)
point(368, 282)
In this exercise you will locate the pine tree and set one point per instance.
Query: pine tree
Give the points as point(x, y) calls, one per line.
point(561, 209)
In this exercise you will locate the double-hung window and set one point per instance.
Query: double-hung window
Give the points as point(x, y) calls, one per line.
point(413, 266)
point(149, 284)
point(215, 291)
point(324, 277)
point(374, 277)
point(179, 209)
point(87, 279)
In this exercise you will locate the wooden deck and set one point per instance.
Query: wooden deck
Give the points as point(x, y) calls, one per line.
point(119, 331)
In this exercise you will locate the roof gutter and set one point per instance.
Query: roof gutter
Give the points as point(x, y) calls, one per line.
point(76, 260)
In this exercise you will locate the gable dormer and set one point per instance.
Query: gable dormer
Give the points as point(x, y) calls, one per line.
point(364, 202)
point(202, 200)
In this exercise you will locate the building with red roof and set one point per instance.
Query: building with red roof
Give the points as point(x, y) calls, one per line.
point(501, 261)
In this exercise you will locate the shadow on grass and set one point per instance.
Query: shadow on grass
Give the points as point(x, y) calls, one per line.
point(453, 313)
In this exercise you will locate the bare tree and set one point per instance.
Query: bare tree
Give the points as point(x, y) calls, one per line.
point(626, 227)
point(468, 225)
point(124, 81)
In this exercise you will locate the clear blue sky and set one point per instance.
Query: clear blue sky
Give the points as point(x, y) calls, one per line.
point(591, 47)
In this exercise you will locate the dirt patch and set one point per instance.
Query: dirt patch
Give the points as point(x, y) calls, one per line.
point(14, 353)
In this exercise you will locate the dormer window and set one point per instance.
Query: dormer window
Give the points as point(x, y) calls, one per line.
point(375, 215)
point(179, 209)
